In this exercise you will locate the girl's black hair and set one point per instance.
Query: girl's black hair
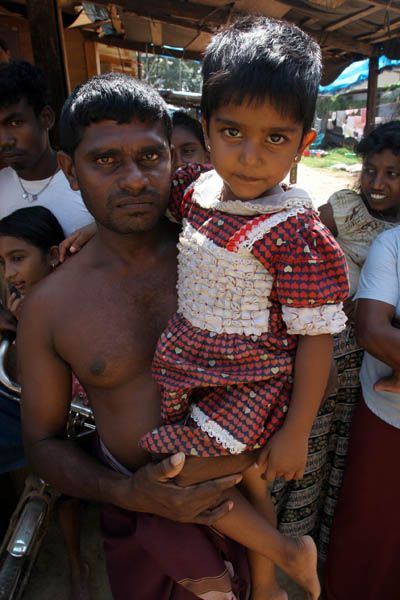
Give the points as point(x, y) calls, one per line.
point(383, 137)
point(35, 225)
point(258, 59)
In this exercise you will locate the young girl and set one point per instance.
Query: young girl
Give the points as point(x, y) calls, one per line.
point(29, 240)
point(243, 364)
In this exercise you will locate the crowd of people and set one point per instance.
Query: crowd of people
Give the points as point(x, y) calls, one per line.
point(201, 303)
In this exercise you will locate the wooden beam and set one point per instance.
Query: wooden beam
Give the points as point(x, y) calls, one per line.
point(46, 36)
point(372, 93)
point(354, 17)
point(173, 11)
point(385, 5)
point(385, 31)
point(110, 40)
point(156, 33)
point(184, 10)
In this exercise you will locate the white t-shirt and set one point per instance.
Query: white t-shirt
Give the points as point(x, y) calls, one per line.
point(380, 280)
point(65, 204)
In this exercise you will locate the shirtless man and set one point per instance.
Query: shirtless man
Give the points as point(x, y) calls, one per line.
point(100, 315)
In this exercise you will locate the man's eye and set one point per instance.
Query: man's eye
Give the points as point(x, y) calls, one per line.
point(150, 156)
point(276, 139)
point(16, 122)
point(368, 171)
point(232, 132)
point(105, 160)
point(18, 258)
point(393, 174)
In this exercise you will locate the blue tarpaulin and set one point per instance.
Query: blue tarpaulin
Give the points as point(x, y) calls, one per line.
point(355, 74)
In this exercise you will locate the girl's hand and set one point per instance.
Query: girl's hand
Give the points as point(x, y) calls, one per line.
point(74, 242)
point(284, 457)
point(14, 305)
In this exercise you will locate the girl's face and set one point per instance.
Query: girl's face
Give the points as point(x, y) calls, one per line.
point(252, 147)
point(380, 180)
point(23, 264)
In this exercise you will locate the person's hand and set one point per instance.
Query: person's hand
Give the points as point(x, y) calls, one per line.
point(74, 242)
point(8, 323)
point(152, 489)
point(14, 305)
point(284, 457)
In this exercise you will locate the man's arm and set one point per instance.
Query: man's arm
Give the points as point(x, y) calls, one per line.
point(377, 295)
point(46, 383)
point(375, 332)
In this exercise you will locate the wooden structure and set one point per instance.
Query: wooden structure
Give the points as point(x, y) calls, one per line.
point(73, 40)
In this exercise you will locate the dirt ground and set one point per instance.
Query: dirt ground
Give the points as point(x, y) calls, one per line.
point(321, 183)
point(50, 577)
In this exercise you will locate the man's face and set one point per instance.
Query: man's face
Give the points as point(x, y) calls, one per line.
point(23, 135)
point(123, 172)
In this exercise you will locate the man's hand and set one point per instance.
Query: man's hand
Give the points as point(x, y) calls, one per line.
point(152, 489)
point(74, 242)
point(284, 457)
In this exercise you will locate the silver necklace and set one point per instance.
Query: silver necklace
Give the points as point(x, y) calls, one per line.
point(33, 197)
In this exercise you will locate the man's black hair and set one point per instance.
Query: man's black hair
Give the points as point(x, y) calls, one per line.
point(113, 96)
point(3, 45)
point(20, 80)
point(259, 59)
point(35, 225)
point(180, 118)
point(383, 137)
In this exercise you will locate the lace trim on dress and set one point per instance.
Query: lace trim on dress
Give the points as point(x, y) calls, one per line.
point(258, 232)
point(316, 320)
point(207, 194)
point(221, 436)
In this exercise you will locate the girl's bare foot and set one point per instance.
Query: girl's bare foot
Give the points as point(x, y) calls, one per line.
point(301, 564)
point(388, 384)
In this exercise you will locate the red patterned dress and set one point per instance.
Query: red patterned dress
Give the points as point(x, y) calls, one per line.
point(252, 276)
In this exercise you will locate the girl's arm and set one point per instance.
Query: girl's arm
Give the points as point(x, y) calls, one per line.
point(285, 455)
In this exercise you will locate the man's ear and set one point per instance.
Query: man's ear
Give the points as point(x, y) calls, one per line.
point(308, 139)
point(67, 165)
point(47, 117)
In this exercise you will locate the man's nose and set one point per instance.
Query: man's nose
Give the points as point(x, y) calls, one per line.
point(6, 140)
point(133, 178)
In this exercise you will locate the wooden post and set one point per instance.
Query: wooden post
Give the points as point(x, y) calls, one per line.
point(372, 93)
point(47, 45)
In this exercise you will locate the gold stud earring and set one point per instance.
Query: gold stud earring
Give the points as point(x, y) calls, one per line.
point(208, 148)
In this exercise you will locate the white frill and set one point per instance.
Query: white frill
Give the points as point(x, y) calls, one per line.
point(316, 320)
point(214, 430)
point(219, 290)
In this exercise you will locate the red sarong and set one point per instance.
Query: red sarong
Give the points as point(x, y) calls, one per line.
point(364, 552)
point(152, 558)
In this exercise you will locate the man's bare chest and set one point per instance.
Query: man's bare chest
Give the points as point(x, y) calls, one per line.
point(109, 336)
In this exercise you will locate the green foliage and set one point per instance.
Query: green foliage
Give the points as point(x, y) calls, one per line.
point(334, 156)
point(166, 73)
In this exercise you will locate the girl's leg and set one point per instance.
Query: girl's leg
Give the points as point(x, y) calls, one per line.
point(69, 518)
point(264, 585)
point(297, 557)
